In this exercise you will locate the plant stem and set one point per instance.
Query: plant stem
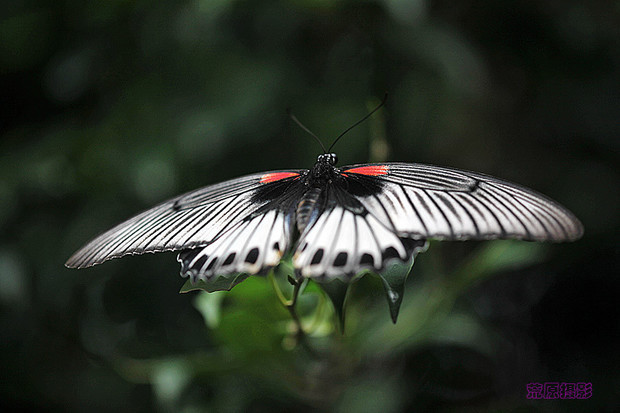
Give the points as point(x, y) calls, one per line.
point(279, 293)
point(300, 334)
point(290, 306)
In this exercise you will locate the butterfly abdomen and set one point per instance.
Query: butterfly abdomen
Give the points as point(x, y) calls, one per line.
point(307, 208)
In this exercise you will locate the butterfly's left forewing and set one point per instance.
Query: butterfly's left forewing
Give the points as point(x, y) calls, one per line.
point(214, 213)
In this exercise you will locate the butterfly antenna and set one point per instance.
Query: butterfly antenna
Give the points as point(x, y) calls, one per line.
point(301, 125)
point(359, 121)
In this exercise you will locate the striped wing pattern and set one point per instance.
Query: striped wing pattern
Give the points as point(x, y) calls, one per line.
point(191, 220)
point(254, 245)
point(375, 213)
point(341, 243)
point(422, 201)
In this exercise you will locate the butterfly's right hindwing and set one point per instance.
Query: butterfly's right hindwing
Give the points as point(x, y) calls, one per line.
point(345, 240)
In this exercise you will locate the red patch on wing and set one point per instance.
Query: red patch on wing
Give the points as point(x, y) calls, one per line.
point(371, 170)
point(276, 176)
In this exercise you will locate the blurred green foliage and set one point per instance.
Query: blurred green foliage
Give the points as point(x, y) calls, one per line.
point(110, 107)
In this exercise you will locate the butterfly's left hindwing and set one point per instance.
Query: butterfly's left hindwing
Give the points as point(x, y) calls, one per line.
point(257, 242)
point(253, 246)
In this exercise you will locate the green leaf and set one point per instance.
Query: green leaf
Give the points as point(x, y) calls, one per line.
point(210, 305)
point(337, 291)
point(219, 283)
point(393, 278)
point(496, 256)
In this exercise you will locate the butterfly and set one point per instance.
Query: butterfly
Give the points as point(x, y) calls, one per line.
point(335, 222)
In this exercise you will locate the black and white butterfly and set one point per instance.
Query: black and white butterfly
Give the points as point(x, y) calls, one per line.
point(335, 222)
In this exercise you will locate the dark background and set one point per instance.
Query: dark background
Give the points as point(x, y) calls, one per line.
point(108, 107)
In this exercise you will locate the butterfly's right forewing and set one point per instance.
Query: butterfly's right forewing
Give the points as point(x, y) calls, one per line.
point(425, 201)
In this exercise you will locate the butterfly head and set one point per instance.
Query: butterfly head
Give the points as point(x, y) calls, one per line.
point(323, 171)
point(328, 158)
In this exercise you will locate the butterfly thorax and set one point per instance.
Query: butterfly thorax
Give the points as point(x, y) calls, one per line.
point(319, 177)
